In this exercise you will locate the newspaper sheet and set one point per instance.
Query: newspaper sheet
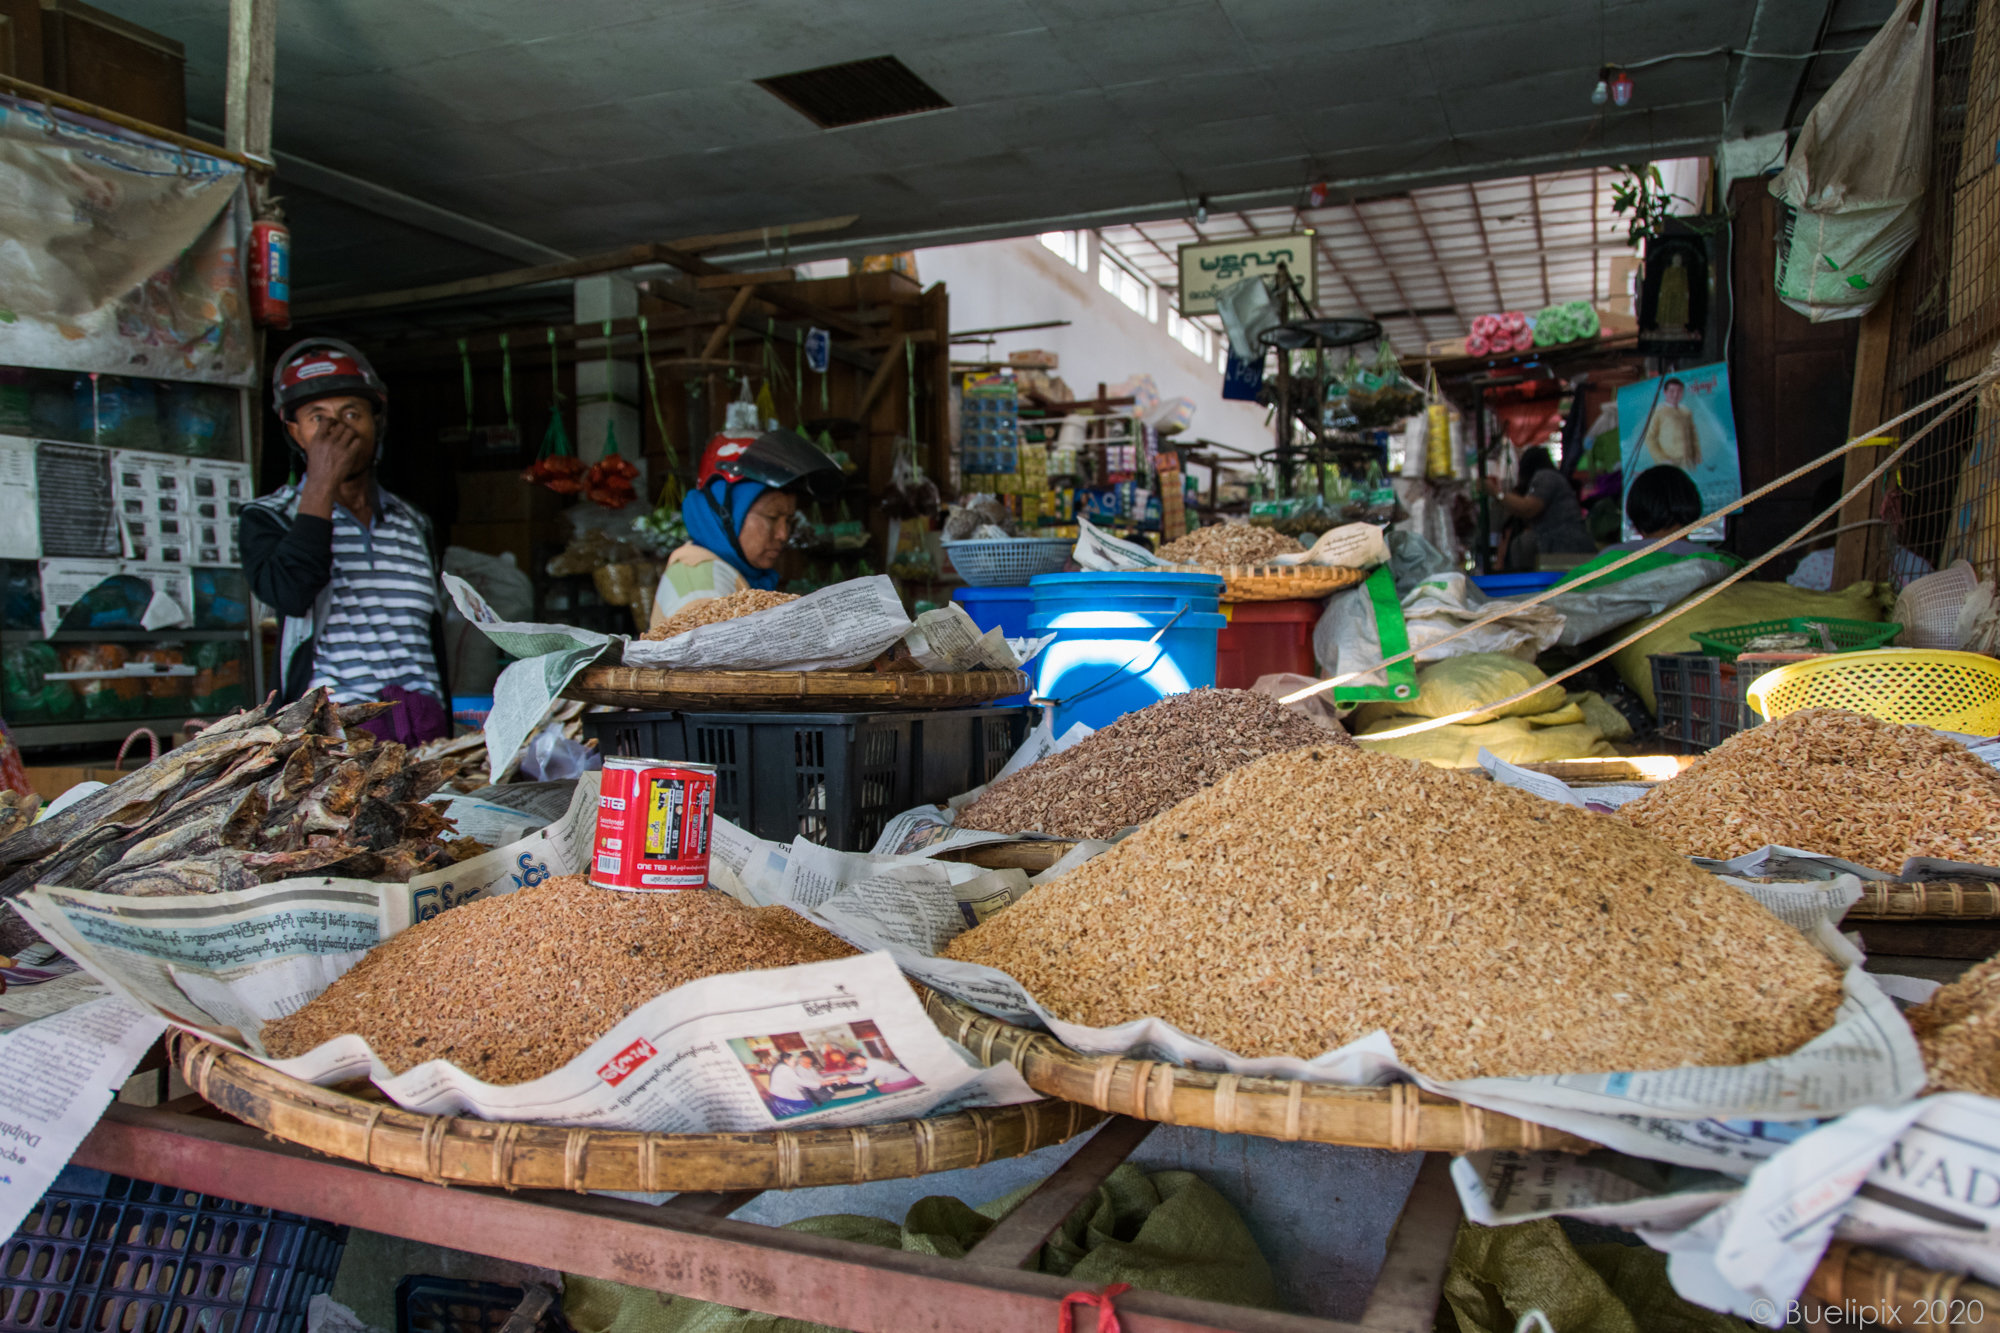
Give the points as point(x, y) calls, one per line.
point(57, 1074)
point(845, 625)
point(702, 1057)
point(1098, 549)
point(946, 639)
point(1867, 1057)
point(1921, 1180)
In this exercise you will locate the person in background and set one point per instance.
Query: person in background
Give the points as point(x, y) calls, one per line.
point(739, 516)
point(349, 566)
point(1662, 500)
point(1546, 505)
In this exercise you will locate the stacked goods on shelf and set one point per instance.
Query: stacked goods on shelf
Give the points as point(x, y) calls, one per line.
point(1504, 334)
point(1571, 321)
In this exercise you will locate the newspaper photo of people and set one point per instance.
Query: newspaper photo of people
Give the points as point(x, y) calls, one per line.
point(797, 1073)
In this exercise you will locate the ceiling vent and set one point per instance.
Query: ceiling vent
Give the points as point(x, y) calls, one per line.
point(860, 90)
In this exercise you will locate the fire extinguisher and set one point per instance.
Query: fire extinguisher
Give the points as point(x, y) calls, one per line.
point(271, 275)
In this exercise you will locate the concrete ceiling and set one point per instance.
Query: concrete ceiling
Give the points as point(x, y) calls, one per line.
point(587, 124)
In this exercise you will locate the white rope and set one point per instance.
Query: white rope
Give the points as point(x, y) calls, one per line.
point(1965, 389)
point(1752, 567)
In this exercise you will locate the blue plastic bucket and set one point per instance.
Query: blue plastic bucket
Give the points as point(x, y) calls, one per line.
point(1123, 641)
point(1004, 609)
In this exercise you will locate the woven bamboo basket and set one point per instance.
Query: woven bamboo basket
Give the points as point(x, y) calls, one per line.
point(1277, 583)
point(1948, 899)
point(1400, 1117)
point(783, 691)
point(1850, 1275)
point(513, 1155)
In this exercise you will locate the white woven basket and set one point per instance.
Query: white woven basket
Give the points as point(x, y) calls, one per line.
point(1009, 562)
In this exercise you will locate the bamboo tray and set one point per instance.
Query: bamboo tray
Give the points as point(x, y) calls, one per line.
point(513, 1155)
point(785, 691)
point(1277, 583)
point(1400, 1117)
point(1885, 900)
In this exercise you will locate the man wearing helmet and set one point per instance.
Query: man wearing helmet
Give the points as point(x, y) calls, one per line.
point(740, 515)
point(348, 565)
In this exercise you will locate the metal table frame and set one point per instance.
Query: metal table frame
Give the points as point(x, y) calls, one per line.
point(689, 1246)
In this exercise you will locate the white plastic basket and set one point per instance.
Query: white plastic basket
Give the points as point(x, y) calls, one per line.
point(1009, 562)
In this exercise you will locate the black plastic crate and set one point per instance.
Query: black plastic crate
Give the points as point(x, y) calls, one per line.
point(1700, 699)
point(462, 1305)
point(832, 778)
point(101, 1252)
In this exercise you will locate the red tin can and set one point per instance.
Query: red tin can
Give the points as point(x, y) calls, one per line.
point(653, 820)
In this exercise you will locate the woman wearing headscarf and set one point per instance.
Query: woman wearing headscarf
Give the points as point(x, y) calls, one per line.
point(740, 514)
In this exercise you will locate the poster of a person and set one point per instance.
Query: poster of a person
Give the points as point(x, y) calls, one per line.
point(1683, 420)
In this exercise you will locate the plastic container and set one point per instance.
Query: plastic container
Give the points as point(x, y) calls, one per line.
point(831, 778)
point(1008, 563)
point(103, 1252)
point(1700, 700)
point(1123, 641)
point(461, 1305)
point(1004, 609)
point(1930, 688)
point(1263, 638)
point(1847, 635)
point(1516, 585)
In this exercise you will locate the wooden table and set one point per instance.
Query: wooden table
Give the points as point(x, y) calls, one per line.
point(690, 1246)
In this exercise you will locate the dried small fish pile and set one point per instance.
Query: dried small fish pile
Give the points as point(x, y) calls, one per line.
point(1311, 897)
point(1229, 544)
point(514, 987)
point(1958, 1030)
point(710, 610)
point(1830, 781)
point(261, 796)
point(1141, 764)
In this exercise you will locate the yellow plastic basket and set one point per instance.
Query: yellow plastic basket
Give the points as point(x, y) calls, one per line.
point(1949, 691)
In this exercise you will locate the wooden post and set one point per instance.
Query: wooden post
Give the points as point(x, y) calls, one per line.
point(1863, 553)
point(253, 58)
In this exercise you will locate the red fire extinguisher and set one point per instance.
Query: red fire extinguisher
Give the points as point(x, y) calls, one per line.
point(271, 275)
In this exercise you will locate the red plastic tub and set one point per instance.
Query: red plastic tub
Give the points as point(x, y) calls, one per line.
point(1263, 638)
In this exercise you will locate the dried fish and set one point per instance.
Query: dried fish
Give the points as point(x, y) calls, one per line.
point(254, 798)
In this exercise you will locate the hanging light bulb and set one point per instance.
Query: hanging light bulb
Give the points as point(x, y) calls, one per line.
point(1602, 92)
point(1621, 88)
point(1201, 210)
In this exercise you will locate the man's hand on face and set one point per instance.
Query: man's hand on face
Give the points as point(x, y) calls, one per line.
point(335, 450)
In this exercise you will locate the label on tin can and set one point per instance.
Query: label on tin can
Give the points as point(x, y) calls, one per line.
point(653, 820)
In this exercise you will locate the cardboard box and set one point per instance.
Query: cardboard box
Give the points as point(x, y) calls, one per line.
point(1033, 357)
point(499, 539)
point(502, 497)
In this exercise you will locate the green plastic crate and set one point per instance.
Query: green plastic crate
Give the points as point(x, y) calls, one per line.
point(1848, 635)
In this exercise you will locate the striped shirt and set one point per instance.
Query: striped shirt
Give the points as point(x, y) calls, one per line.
point(382, 597)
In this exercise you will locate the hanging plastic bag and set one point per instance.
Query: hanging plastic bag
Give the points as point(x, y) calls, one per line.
point(1854, 186)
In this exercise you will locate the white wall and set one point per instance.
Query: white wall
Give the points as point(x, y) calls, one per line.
point(1021, 281)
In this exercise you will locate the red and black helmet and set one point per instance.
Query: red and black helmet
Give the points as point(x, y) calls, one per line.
point(323, 368)
point(780, 459)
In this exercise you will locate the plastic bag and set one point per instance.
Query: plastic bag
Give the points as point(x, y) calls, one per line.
point(554, 757)
point(1462, 684)
point(1853, 189)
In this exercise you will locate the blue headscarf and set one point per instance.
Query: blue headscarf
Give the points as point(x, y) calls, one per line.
point(705, 527)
